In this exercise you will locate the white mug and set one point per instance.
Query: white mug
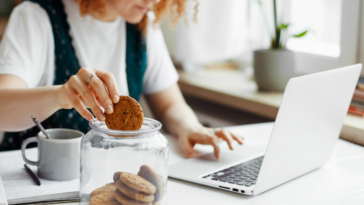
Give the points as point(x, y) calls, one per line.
point(58, 156)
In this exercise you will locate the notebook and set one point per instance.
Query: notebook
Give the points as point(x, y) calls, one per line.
point(20, 188)
point(3, 200)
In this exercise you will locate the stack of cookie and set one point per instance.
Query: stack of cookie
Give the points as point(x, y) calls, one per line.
point(146, 188)
point(104, 195)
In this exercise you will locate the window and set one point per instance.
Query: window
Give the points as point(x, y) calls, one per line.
point(332, 40)
point(322, 19)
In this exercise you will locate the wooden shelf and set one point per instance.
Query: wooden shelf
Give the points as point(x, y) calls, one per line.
point(234, 89)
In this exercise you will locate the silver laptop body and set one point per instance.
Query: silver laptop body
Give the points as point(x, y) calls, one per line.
point(306, 129)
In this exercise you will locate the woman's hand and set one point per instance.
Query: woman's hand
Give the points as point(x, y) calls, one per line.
point(207, 136)
point(179, 119)
point(97, 93)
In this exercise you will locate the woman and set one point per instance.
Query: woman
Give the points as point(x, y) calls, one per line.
point(46, 60)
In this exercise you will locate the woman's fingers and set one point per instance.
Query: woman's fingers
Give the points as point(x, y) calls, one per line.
point(224, 134)
point(238, 138)
point(207, 139)
point(187, 146)
point(229, 137)
point(79, 106)
point(90, 100)
point(79, 93)
point(97, 86)
point(80, 90)
point(71, 98)
point(110, 82)
point(213, 140)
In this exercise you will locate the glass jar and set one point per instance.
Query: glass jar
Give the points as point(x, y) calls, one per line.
point(104, 152)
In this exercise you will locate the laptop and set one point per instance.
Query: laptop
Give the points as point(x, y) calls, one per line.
point(306, 129)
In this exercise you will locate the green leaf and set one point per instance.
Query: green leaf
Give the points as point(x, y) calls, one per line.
point(300, 34)
point(284, 26)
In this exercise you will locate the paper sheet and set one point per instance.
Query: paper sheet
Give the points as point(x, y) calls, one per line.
point(20, 188)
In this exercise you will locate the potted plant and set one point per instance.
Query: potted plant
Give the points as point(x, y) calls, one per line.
point(275, 66)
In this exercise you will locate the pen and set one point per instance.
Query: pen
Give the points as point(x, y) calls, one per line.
point(31, 174)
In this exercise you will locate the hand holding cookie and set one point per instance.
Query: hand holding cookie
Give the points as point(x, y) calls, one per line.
point(89, 88)
point(207, 136)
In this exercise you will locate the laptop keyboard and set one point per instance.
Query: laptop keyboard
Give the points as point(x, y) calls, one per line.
point(244, 174)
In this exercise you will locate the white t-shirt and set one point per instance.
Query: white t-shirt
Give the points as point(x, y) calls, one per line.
point(27, 48)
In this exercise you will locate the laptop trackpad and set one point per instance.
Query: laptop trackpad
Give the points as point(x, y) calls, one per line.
point(208, 163)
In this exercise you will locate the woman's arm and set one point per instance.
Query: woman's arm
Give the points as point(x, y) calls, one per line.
point(179, 119)
point(18, 102)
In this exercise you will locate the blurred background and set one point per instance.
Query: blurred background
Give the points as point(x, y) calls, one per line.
point(232, 30)
point(227, 32)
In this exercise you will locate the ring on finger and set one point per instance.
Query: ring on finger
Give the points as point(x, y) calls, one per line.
point(90, 76)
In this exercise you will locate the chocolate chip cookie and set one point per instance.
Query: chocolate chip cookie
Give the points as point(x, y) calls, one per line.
point(127, 115)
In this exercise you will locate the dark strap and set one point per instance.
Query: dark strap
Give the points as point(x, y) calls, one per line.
point(67, 65)
point(136, 60)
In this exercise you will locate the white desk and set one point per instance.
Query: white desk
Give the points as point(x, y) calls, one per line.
point(341, 181)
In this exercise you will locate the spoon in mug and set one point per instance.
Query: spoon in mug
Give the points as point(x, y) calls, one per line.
point(40, 126)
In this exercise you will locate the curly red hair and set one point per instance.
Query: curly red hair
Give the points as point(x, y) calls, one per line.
point(177, 8)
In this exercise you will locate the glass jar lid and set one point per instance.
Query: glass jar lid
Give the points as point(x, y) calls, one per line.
point(149, 126)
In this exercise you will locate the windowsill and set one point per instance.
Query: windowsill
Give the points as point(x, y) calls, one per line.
point(231, 88)
point(234, 89)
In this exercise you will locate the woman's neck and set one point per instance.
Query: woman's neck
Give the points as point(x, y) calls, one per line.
point(109, 14)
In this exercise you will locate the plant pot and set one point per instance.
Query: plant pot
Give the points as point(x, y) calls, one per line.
point(273, 68)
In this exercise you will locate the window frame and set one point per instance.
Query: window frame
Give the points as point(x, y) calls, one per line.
point(350, 23)
point(351, 19)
